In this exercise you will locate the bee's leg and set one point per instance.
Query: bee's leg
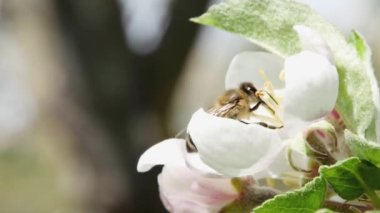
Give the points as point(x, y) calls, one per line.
point(260, 94)
point(263, 124)
point(244, 122)
point(256, 106)
point(268, 126)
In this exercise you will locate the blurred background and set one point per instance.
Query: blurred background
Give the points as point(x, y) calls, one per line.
point(87, 85)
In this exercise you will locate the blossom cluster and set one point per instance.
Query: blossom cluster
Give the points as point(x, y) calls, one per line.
point(247, 137)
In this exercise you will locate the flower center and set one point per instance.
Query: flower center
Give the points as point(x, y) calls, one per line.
point(270, 111)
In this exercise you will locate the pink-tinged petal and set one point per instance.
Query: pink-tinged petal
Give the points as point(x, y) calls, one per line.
point(184, 190)
point(231, 147)
point(167, 152)
point(311, 40)
point(311, 89)
point(245, 67)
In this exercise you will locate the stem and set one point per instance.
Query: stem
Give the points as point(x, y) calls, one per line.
point(374, 198)
point(345, 207)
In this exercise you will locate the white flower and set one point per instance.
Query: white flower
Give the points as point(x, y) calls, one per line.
point(230, 147)
point(305, 91)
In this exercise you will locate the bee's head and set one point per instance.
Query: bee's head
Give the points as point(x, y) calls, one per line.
point(248, 88)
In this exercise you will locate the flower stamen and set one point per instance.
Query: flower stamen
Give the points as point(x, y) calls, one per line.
point(281, 76)
point(271, 102)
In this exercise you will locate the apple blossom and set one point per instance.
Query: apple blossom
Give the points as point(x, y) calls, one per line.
point(300, 89)
point(305, 92)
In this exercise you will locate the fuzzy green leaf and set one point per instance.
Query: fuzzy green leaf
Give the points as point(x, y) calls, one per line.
point(364, 53)
point(362, 148)
point(269, 24)
point(352, 177)
point(360, 45)
point(307, 199)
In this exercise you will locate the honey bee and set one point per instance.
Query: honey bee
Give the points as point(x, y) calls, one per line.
point(237, 104)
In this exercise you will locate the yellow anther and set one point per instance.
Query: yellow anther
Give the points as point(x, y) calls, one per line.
point(271, 103)
point(281, 76)
point(263, 75)
point(268, 86)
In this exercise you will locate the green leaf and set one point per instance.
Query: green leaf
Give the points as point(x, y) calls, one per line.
point(362, 148)
point(360, 45)
point(306, 199)
point(352, 177)
point(264, 22)
point(269, 24)
point(364, 52)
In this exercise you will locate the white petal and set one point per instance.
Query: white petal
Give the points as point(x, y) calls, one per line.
point(170, 151)
point(245, 67)
point(194, 161)
point(231, 147)
point(183, 190)
point(311, 40)
point(270, 165)
point(281, 164)
point(311, 88)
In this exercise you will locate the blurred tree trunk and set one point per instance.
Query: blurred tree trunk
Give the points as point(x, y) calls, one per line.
point(65, 135)
point(127, 93)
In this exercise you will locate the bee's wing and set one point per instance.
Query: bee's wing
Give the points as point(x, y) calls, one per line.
point(221, 111)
